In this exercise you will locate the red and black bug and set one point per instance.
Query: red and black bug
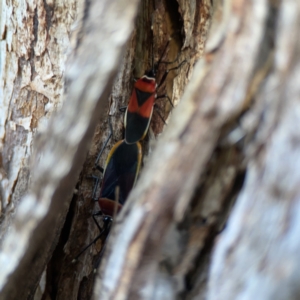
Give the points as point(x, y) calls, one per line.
point(121, 170)
point(120, 173)
point(140, 107)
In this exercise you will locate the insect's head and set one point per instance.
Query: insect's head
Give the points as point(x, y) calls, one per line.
point(151, 73)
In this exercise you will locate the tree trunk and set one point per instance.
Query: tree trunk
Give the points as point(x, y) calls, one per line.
point(60, 148)
point(232, 137)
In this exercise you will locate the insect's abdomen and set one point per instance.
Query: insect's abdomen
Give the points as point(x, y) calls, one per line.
point(121, 170)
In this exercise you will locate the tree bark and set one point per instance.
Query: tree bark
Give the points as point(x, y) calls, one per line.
point(80, 229)
point(232, 137)
point(260, 247)
point(188, 156)
point(60, 150)
point(34, 41)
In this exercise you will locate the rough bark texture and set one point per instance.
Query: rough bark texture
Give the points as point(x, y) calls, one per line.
point(60, 150)
point(233, 137)
point(80, 229)
point(34, 42)
point(260, 248)
point(215, 97)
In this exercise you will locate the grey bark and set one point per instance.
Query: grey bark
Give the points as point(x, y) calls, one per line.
point(260, 248)
point(61, 149)
point(233, 137)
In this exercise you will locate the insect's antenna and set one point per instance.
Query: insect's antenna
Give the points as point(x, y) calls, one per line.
point(161, 57)
point(152, 47)
point(106, 142)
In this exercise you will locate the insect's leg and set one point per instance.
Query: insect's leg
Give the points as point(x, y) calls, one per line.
point(90, 244)
point(122, 109)
point(105, 144)
point(94, 215)
point(159, 114)
point(171, 62)
point(163, 79)
point(107, 226)
point(107, 221)
point(97, 167)
point(165, 96)
point(97, 181)
point(179, 66)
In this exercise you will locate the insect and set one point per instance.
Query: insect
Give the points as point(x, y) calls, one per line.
point(124, 160)
point(121, 170)
point(140, 107)
point(120, 173)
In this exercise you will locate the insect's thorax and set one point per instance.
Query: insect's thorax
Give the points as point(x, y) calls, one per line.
point(146, 84)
